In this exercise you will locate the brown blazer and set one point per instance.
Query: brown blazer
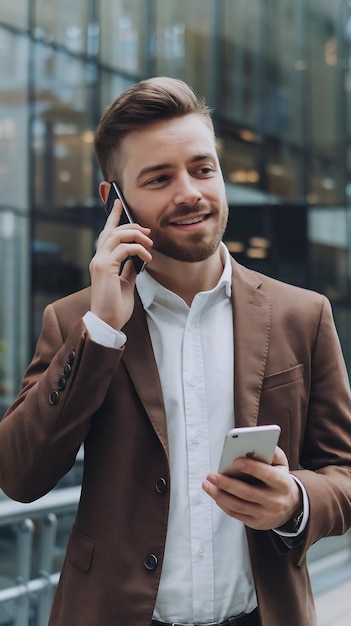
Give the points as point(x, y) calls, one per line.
point(288, 369)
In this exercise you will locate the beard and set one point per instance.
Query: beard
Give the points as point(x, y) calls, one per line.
point(197, 246)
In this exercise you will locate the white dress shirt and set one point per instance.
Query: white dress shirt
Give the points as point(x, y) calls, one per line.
point(206, 574)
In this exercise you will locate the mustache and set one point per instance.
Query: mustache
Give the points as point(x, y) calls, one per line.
point(185, 210)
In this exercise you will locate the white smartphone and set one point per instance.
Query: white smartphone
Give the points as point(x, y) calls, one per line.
point(257, 442)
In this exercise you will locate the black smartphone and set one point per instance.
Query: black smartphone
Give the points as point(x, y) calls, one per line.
point(126, 218)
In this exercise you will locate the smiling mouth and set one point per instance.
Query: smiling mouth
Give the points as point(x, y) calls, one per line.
point(192, 220)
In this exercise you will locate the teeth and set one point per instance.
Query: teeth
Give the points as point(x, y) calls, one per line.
point(193, 220)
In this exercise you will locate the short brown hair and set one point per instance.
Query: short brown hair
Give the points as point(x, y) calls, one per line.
point(145, 103)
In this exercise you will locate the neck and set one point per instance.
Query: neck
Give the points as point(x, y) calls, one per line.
point(186, 279)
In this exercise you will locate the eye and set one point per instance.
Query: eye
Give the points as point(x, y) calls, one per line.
point(159, 180)
point(205, 170)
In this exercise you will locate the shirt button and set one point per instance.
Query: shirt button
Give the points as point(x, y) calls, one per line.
point(161, 486)
point(200, 552)
point(54, 398)
point(151, 562)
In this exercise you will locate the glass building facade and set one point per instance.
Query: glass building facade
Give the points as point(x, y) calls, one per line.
point(277, 74)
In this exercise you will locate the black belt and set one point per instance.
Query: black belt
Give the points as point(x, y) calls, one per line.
point(245, 619)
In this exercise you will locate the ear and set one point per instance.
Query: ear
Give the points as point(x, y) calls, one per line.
point(104, 190)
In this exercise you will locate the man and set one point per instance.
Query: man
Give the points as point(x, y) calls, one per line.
point(151, 371)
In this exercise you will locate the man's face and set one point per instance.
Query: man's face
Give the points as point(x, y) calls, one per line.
point(172, 181)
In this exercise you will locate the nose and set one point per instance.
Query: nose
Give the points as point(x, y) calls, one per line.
point(186, 191)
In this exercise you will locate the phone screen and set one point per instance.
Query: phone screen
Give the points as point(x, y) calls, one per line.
point(126, 218)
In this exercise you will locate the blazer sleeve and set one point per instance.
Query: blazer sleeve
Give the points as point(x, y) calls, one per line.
point(42, 431)
point(325, 446)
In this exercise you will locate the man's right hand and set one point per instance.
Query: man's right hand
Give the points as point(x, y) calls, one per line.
point(112, 293)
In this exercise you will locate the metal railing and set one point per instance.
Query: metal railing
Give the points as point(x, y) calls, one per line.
point(37, 520)
point(30, 598)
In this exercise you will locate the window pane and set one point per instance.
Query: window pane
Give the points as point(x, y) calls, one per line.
point(14, 52)
point(240, 61)
point(183, 43)
point(14, 281)
point(65, 22)
point(284, 171)
point(61, 257)
point(328, 233)
point(239, 162)
point(111, 87)
point(327, 183)
point(260, 61)
point(123, 28)
point(270, 238)
point(285, 62)
point(62, 132)
point(14, 12)
point(326, 124)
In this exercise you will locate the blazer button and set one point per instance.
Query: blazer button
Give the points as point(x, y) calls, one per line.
point(54, 397)
point(151, 562)
point(67, 370)
point(161, 486)
point(71, 357)
point(61, 383)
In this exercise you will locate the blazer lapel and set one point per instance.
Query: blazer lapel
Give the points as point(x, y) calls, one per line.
point(140, 362)
point(252, 325)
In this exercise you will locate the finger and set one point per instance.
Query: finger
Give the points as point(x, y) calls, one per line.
point(112, 240)
point(132, 228)
point(244, 510)
point(253, 470)
point(217, 485)
point(280, 457)
point(124, 250)
point(129, 272)
point(114, 217)
point(263, 471)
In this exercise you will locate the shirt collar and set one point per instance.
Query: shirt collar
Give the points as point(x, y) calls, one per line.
point(148, 288)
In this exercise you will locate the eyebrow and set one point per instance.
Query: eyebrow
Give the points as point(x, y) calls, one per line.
point(159, 167)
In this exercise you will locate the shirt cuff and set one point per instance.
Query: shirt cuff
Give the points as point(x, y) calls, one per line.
point(103, 333)
point(306, 512)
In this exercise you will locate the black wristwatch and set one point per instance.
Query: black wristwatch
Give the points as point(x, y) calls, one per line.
point(292, 525)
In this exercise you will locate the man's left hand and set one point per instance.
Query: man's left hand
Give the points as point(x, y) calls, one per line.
point(263, 505)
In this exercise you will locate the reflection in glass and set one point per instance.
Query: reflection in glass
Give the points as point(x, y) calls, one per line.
point(327, 183)
point(14, 281)
point(62, 137)
point(111, 86)
point(326, 128)
point(122, 34)
point(183, 42)
point(240, 61)
point(239, 161)
point(283, 101)
point(284, 168)
point(328, 232)
point(61, 256)
point(261, 58)
point(14, 12)
point(13, 120)
point(64, 22)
